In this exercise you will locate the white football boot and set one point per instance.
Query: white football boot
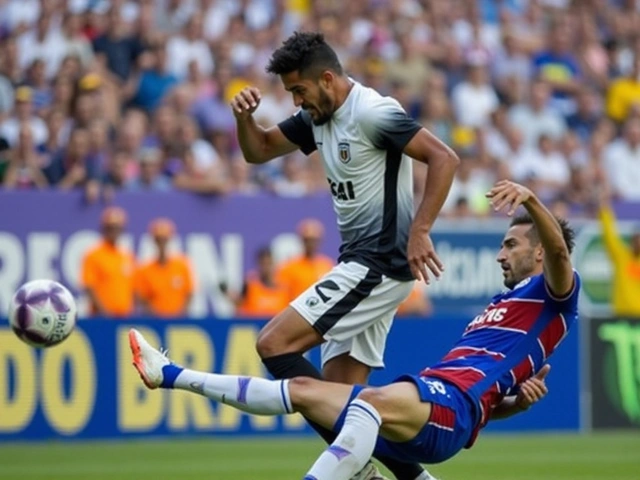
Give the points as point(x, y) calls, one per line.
point(147, 360)
point(369, 472)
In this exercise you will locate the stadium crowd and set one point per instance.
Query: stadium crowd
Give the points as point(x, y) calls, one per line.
point(133, 95)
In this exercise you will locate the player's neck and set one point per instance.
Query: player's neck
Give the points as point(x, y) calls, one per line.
point(343, 88)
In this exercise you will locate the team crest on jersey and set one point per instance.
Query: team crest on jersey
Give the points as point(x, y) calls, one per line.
point(312, 302)
point(344, 152)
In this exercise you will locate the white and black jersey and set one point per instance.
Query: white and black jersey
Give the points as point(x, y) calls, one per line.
point(369, 176)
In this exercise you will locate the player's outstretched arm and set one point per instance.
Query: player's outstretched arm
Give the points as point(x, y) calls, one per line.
point(259, 145)
point(558, 270)
point(531, 391)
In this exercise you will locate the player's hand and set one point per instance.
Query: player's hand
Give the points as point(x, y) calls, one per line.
point(507, 193)
point(246, 102)
point(533, 389)
point(421, 255)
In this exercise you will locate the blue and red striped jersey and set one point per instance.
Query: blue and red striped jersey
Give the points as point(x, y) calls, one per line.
point(508, 343)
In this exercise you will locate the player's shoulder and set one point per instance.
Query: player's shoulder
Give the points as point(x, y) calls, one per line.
point(371, 101)
point(303, 117)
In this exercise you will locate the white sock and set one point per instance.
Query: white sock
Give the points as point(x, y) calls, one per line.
point(425, 476)
point(353, 447)
point(249, 394)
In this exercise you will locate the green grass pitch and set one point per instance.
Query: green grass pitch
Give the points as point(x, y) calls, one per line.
point(610, 456)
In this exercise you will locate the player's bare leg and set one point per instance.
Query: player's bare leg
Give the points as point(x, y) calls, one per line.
point(346, 369)
point(394, 412)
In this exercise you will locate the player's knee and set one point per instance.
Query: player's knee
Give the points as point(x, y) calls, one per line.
point(302, 393)
point(375, 397)
point(269, 344)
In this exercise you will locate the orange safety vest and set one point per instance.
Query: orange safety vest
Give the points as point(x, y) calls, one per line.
point(261, 300)
point(165, 287)
point(108, 271)
point(298, 274)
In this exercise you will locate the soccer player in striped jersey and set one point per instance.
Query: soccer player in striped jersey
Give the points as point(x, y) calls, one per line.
point(496, 369)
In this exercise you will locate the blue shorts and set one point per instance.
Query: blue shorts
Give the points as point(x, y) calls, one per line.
point(450, 426)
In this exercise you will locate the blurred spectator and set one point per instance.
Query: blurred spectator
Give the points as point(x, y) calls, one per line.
point(5, 159)
point(623, 95)
point(417, 304)
point(536, 117)
point(511, 68)
point(241, 178)
point(187, 47)
point(42, 93)
point(437, 115)
point(292, 182)
point(622, 162)
point(116, 49)
point(10, 128)
point(150, 178)
point(261, 296)
point(108, 269)
point(558, 66)
point(587, 115)
point(410, 68)
point(205, 158)
point(117, 176)
point(10, 65)
point(545, 167)
point(592, 54)
point(299, 273)
point(625, 259)
point(20, 14)
point(139, 74)
point(164, 285)
point(470, 183)
point(73, 167)
point(6, 97)
point(77, 44)
point(474, 99)
point(23, 170)
point(44, 42)
point(149, 87)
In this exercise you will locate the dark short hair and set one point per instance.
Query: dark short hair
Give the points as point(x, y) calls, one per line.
point(306, 53)
point(567, 232)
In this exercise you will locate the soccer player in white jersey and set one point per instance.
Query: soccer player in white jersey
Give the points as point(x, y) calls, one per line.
point(366, 142)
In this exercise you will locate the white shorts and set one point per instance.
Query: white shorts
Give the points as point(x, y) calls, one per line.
point(352, 307)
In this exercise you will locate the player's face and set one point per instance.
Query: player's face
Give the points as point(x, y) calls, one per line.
point(310, 95)
point(518, 258)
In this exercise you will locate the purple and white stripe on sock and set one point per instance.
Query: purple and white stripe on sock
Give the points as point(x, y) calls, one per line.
point(338, 452)
point(243, 386)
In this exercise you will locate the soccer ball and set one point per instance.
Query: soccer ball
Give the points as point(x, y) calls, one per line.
point(42, 313)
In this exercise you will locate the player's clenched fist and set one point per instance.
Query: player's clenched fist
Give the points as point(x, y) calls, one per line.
point(245, 102)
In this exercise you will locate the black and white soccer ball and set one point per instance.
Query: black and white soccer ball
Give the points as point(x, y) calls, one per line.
point(42, 313)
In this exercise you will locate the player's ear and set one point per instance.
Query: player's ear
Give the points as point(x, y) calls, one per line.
point(539, 253)
point(326, 78)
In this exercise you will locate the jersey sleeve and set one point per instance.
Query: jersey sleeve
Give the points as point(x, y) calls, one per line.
point(570, 301)
point(297, 129)
point(388, 126)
